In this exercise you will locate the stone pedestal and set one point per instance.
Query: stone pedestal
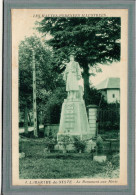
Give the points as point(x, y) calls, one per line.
point(74, 121)
point(92, 115)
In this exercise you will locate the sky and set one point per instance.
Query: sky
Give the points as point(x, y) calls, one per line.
point(25, 23)
point(112, 70)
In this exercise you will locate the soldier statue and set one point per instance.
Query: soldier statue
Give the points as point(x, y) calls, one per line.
point(72, 75)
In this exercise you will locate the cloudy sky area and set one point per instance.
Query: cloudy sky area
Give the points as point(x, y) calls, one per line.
point(25, 23)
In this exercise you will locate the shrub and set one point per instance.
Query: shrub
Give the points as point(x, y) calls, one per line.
point(50, 143)
point(109, 169)
point(116, 160)
point(79, 144)
point(65, 140)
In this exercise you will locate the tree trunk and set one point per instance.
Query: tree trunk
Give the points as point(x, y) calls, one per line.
point(26, 119)
point(29, 119)
point(38, 123)
point(86, 84)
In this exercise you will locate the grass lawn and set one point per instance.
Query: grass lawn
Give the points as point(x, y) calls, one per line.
point(39, 165)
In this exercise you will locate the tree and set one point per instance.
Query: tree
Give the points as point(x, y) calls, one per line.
point(44, 75)
point(52, 108)
point(93, 40)
point(50, 87)
point(96, 97)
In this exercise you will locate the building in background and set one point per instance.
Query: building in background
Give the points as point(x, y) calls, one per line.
point(110, 89)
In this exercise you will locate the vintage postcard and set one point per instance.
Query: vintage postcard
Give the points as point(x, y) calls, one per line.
point(69, 97)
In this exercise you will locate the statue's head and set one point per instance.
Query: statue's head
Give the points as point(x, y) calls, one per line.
point(71, 57)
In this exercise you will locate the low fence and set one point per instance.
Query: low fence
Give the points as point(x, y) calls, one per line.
point(111, 145)
point(108, 119)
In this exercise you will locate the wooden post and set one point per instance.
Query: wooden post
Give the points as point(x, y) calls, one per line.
point(26, 119)
point(97, 122)
point(34, 96)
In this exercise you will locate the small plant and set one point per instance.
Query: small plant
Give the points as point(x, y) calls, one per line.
point(65, 141)
point(79, 145)
point(50, 143)
point(109, 169)
point(116, 160)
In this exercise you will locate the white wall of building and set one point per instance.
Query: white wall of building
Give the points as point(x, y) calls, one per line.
point(113, 95)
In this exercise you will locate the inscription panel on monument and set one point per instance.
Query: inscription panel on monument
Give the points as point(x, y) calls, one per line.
point(69, 117)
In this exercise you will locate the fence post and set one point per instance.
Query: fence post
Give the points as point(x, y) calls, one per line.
point(92, 118)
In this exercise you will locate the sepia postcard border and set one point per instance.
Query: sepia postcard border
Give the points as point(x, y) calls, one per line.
point(7, 78)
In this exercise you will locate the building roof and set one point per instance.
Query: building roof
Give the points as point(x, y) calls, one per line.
point(109, 83)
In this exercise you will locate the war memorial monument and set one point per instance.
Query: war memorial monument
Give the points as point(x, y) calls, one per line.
point(74, 120)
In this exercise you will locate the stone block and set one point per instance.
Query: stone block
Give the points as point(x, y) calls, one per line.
point(92, 129)
point(92, 110)
point(93, 117)
point(100, 158)
point(92, 113)
point(92, 121)
point(92, 126)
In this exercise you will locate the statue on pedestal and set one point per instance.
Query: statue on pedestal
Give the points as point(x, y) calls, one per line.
point(72, 75)
point(73, 120)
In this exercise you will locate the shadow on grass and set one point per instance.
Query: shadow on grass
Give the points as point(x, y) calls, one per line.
point(67, 156)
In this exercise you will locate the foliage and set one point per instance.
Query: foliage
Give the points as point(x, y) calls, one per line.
point(110, 106)
point(93, 40)
point(109, 169)
point(95, 97)
point(52, 108)
point(49, 84)
point(65, 140)
point(79, 144)
point(42, 63)
point(50, 143)
point(116, 160)
point(110, 125)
